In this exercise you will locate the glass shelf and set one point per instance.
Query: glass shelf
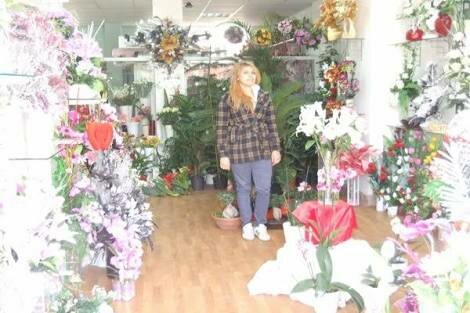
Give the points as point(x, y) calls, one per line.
point(13, 78)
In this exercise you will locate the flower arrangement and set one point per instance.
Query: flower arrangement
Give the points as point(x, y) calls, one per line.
point(66, 302)
point(263, 37)
point(174, 183)
point(457, 71)
point(149, 141)
point(337, 81)
point(403, 175)
point(406, 87)
point(165, 40)
point(331, 134)
point(125, 95)
point(169, 115)
point(302, 31)
point(333, 12)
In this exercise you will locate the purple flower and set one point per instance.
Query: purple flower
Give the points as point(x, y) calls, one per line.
point(408, 304)
point(285, 26)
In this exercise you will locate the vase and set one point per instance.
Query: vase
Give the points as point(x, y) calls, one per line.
point(133, 128)
point(168, 131)
point(333, 33)
point(123, 290)
point(126, 110)
point(327, 196)
point(209, 179)
point(352, 191)
point(349, 31)
point(392, 210)
point(326, 303)
point(292, 234)
point(379, 204)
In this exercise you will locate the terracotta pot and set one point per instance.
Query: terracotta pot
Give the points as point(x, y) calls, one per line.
point(227, 223)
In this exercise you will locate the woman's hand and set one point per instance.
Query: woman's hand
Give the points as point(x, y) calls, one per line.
point(275, 157)
point(225, 163)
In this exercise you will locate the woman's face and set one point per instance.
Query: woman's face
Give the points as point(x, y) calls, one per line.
point(247, 76)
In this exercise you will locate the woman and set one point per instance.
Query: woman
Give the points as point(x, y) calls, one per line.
point(248, 144)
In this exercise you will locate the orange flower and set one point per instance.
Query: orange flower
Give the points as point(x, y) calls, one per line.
point(170, 43)
point(332, 74)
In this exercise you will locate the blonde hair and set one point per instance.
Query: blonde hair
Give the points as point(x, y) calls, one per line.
point(237, 96)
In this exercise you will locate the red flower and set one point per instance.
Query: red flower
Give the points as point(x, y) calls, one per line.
point(100, 135)
point(383, 174)
point(371, 168)
point(168, 178)
point(399, 144)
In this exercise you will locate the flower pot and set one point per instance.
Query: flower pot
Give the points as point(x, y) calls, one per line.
point(133, 128)
point(168, 131)
point(197, 182)
point(392, 210)
point(227, 223)
point(220, 182)
point(292, 234)
point(126, 110)
point(333, 33)
point(349, 31)
point(209, 179)
point(379, 204)
point(327, 303)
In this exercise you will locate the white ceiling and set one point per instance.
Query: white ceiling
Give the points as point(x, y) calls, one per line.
point(131, 11)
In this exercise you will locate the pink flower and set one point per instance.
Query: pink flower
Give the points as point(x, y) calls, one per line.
point(74, 117)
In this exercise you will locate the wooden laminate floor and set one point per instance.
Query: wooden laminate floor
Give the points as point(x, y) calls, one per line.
point(198, 268)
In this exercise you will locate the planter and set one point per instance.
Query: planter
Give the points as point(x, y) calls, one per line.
point(111, 271)
point(197, 182)
point(168, 131)
point(327, 303)
point(126, 110)
point(209, 179)
point(227, 223)
point(220, 182)
point(380, 205)
point(123, 290)
point(392, 211)
point(133, 128)
point(293, 234)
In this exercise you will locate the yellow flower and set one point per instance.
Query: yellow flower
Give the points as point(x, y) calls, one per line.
point(263, 36)
point(167, 56)
point(170, 43)
point(455, 284)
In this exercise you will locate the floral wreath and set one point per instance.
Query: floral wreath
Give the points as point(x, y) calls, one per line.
point(165, 41)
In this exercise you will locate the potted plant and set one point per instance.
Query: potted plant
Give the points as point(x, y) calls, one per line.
point(229, 217)
point(125, 99)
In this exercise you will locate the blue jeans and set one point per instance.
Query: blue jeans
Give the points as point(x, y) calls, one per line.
point(261, 173)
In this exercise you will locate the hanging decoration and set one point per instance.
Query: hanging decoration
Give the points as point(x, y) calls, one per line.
point(165, 40)
point(337, 16)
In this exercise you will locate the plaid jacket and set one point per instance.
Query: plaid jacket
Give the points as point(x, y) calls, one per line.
point(243, 136)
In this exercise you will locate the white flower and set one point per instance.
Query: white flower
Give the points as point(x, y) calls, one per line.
point(406, 158)
point(399, 84)
point(466, 61)
point(388, 249)
point(105, 308)
point(389, 190)
point(387, 198)
point(456, 67)
point(408, 11)
point(394, 195)
point(405, 76)
point(401, 200)
point(459, 36)
point(454, 54)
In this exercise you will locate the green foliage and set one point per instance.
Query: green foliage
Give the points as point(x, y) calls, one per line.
point(67, 302)
point(181, 182)
point(266, 63)
point(141, 162)
point(227, 197)
point(322, 283)
point(161, 188)
point(61, 177)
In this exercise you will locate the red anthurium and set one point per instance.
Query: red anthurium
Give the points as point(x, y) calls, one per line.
point(399, 144)
point(371, 168)
point(414, 34)
point(443, 24)
point(100, 135)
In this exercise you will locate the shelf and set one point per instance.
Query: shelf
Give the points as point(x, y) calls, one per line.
point(426, 39)
point(141, 59)
point(297, 57)
point(12, 78)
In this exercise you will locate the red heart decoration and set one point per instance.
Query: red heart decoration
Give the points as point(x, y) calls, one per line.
point(443, 24)
point(100, 135)
point(414, 34)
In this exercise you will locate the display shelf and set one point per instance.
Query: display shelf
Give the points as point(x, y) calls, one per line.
point(13, 78)
point(296, 57)
point(139, 59)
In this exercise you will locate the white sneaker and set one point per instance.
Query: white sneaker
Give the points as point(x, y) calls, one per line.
point(247, 232)
point(262, 233)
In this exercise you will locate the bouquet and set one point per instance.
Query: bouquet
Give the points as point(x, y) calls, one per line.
point(169, 115)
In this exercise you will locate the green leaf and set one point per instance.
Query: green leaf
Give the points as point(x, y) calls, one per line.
point(304, 285)
point(98, 85)
point(404, 101)
point(355, 296)
point(309, 144)
point(266, 83)
point(325, 263)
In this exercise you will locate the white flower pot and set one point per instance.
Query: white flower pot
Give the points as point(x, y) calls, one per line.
point(293, 234)
point(127, 110)
point(392, 211)
point(380, 206)
point(209, 178)
point(168, 131)
point(327, 303)
point(133, 128)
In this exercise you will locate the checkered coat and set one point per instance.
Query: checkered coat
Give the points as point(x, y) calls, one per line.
point(243, 136)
